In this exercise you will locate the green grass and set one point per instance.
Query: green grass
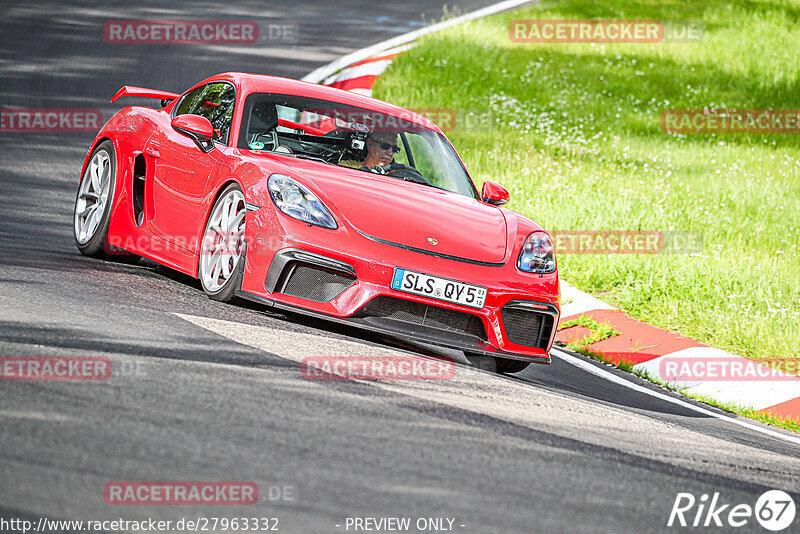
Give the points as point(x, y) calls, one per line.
point(572, 131)
point(599, 332)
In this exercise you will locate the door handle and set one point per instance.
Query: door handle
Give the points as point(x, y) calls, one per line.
point(152, 153)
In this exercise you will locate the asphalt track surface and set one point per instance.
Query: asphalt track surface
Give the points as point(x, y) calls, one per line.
point(213, 392)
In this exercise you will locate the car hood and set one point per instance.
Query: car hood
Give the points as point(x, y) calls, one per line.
point(414, 215)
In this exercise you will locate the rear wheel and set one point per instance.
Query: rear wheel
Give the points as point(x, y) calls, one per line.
point(496, 365)
point(223, 245)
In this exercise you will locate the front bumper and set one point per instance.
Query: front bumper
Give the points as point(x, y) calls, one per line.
point(518, 320)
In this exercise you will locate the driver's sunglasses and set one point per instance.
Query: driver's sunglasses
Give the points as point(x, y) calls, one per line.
point(386, 146)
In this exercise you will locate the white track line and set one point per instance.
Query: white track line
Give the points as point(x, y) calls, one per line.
point(345, 61)
point(602, 373)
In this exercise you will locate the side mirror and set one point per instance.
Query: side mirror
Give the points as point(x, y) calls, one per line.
point(494, 193)
point(196, 128)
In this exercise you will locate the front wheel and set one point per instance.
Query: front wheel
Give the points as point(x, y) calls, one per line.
point(223, 245)
point(496, 365)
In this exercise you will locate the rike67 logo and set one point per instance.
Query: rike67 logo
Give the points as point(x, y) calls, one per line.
point(774, 510)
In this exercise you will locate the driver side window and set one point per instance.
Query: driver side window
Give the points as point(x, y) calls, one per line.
point(213, 101)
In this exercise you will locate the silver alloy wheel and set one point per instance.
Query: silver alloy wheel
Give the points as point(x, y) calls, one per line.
point(222, 241)
point(92, 197)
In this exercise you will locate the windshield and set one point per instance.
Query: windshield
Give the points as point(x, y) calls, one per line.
point(362, 139)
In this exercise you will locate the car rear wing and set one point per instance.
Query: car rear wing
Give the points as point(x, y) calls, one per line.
point(129, 90)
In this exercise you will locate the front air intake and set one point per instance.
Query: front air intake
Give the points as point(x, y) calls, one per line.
point(527, 326)
point(315, 283)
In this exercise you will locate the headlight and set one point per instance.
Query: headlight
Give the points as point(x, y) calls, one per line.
point(298, 202)
point(537, 254)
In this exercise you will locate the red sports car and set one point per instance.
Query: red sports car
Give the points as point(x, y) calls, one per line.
point(324, 202)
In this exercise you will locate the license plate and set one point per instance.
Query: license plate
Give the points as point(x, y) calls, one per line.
point(439, 288)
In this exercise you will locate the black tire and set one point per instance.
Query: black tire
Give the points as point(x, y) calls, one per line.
point(226, 293)
point(496, 365)
point(95, 243)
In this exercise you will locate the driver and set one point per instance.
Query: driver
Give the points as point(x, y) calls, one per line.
point(381, 148)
